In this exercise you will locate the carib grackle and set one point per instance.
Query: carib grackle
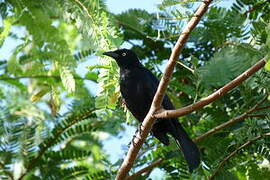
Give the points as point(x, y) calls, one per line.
point(138, 87)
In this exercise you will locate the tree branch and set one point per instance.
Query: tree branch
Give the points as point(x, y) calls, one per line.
point(256, 6)
point(230, 122)
point(212, 131)
point(261, 108)
point(142, 34)
point(158, 98)
point(256, 115)
point(234, 152)
point(144, 170)
point(211, 98)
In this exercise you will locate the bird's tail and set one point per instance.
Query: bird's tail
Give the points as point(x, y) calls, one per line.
point(188, 147)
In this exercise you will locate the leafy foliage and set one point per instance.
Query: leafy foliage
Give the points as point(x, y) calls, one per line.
point(228, 64)
point(42, 136)
point(53, 127)
point(53, 155)
point(228, 41)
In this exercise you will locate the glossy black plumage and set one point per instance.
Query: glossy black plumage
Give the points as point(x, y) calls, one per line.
point(138, 86)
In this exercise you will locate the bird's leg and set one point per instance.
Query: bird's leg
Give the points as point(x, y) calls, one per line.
point(134, 136)
point(139, 129)
point(132, 141)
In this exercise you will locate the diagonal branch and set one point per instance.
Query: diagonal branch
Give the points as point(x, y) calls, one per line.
point(236, 151)
point(144, 170)
point(210, 132)
point(211, 98)
point(230, 122)
point(261, 108)
point(158, 98)
point(255, 7)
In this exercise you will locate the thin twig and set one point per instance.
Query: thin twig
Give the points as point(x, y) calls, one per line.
point(230, 122)
point(186, 67)
point(146, 169)
point(256, 115)
point(176, 18)
point(215, 129)
point(261, 108)
point(95, 23)
point(214, 96)
point(142, 34)
point(256, 6)
point(159, 161)
point(234, 152)
point(85, 9)
point(158, 98)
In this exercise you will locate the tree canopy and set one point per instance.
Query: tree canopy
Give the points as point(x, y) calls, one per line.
point(52, 124)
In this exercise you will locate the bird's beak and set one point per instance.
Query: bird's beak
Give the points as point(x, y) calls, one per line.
point(111, 54)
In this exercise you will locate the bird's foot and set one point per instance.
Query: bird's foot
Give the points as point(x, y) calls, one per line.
point(139, 129)
point(133, 140)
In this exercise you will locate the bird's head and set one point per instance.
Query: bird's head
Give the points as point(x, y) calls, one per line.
point(124, 57)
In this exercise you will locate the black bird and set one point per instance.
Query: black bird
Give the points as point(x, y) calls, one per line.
point(138, 87)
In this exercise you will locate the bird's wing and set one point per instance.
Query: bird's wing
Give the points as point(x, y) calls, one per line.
point(171, 125)
point(151, 85)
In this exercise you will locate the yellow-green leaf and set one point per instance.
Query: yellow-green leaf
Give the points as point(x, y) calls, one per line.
point(36, 97)
point(13, 65)
point(7, 26)
point(55, 101)
point(67, 79)
point(267, 65)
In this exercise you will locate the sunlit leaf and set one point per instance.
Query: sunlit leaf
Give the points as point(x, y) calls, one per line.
point(37, 96)
point(67, 79)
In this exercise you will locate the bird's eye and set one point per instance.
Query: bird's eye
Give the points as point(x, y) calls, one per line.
point(124, 54)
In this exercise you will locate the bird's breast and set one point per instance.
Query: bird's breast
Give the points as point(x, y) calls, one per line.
point(134, 96)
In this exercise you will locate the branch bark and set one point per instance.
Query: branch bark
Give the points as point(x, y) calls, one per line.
point(236, 151)
point(211, 98)
point(146, 169)
point(212, 131)
point(158, 98)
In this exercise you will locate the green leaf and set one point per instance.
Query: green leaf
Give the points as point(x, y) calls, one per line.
point(268, 35)
point(7, 26)
point(113, 99)
point(92, 67)
point(13, 66)
point(91, 75)
point(14, 82)
point(267, 65)
point(67, 79)
point(36, 97)
point(130, 117)
point(227, 64)
point(55, 101)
